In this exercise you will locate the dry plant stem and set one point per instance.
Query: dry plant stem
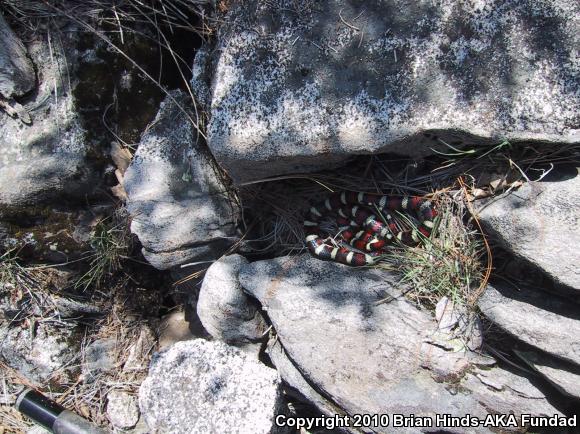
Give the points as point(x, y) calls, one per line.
point(488, 269)
point(101, 36)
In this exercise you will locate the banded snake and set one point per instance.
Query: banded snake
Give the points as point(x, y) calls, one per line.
point(364, 233)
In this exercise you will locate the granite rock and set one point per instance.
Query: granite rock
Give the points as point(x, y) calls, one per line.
point(545, 321)
point(211, 387)
point(177, 199)
point(540, 224)
point(45, 159)
point(225, 311)
point(122, 409)
point(368, 357)
point(17, 75)
point(298, 85)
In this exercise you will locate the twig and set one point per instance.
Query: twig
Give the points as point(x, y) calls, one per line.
point(362, 33)
point(347, 24)
point(119, 24)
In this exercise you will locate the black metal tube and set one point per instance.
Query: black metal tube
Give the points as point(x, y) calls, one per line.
point(39, 408)
point(53, 416)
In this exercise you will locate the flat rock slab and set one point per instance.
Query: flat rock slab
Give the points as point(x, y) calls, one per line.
point(544, 321)
point(325, 317)
point(540, 223)
point(301, 85)
point(364, 357)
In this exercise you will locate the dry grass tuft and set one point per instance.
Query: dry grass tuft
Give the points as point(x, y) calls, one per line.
point(25, 289)
point(119, 16)
point(120, 315)
point(110, 242)
point(12, 420)
point(449, 263)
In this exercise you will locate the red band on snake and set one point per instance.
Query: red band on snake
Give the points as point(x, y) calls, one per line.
point(366, 224)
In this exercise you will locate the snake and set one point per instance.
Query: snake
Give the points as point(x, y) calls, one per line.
point(366, 226)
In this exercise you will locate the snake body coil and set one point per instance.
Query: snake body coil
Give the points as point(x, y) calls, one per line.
point(359, 219)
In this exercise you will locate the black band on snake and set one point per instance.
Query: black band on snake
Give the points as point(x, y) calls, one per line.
point(361, 219)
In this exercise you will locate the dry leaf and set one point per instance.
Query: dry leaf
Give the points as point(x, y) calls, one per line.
point(119, 192)
point(121, 156)
point(497, 184)
point(119, 175)
point(85, 411)
point(477, 193)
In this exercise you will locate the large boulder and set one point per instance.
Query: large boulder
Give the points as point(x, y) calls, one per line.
point(298, 86)
point(17, 75)
point(44, 159)
point(225, 311)
point(201, 386)
point(545, 321)
point(366, 357)
point(539, 223)
point(177, 199)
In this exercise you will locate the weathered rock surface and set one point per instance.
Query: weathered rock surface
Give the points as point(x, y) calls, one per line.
point(40, 353)
point(502, 392)
point(225, 311)
point(16, 71)
point(99, 358)
point(45, 160)
point(297, 86)
point(369, 358)
point(457, 323)
point(201, 386)
point(178, 203)
point(539, 222)
point(542, 320)
point(293, 377)
point(122, 409)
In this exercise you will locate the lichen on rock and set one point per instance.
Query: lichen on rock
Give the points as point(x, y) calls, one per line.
point(299, 87)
